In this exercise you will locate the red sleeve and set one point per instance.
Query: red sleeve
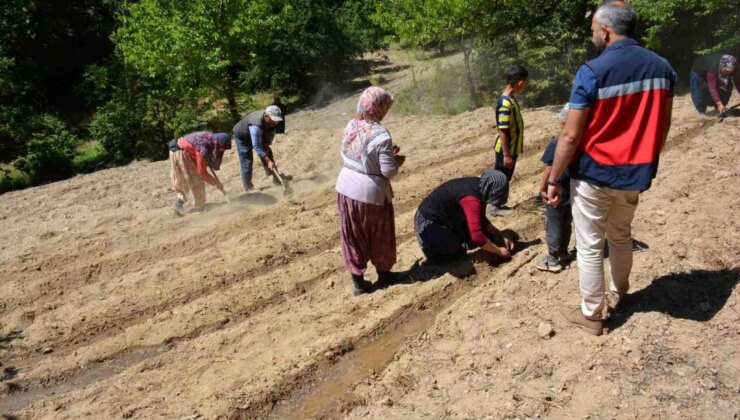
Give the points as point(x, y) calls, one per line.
point(473, 209)
point(712, 86)
point(202, 165)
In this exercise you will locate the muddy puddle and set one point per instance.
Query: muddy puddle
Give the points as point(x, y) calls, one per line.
point(336, 384)
point(104, 370)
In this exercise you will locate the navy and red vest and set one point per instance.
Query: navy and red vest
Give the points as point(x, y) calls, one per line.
point(623, 138)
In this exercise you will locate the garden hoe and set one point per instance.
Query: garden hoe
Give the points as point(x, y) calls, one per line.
point(286, 188)
point(221, 188)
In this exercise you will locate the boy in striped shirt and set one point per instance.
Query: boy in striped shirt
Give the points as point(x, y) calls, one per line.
point(510, 126)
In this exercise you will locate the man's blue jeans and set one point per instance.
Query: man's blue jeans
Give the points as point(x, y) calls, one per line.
point(558, 229)
point(246, 161)
point(244, 152)
point(699, 94)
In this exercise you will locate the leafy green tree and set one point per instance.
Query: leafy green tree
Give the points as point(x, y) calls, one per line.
point(551, 47)
point(189, 43)
point(461, 23)
point(15, 104)
point(421, 23)
point(680, 30)
point(44, 48)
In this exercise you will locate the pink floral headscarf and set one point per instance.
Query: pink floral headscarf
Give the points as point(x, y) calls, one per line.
point(374, 103)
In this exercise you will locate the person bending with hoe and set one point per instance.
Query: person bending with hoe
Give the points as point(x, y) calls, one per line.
point(256, 131)
point(191, 157)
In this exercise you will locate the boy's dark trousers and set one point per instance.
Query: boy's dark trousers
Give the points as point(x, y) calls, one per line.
point(499, 166)
point(558, 229)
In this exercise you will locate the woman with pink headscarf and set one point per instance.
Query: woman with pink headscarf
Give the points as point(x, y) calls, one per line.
point(364, 193)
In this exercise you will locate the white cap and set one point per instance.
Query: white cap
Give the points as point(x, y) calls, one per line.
point(274, 112)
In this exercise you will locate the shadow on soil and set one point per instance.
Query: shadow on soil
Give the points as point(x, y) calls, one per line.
point(7, 339)
point(250, 198)
point(696, 295)
point(8, 373)
point(460, 268)
point(257, 199)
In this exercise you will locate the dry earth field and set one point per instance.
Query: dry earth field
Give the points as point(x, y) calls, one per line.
point(112, 308)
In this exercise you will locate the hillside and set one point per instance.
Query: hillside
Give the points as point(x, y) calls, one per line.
point(113, 308)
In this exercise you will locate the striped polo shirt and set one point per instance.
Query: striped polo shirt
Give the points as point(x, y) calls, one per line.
point(509, 117)
point(626, 90)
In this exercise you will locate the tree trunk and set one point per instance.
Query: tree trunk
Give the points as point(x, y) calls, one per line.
point(231, 75)
point(230, 92)
point(468, 51)
point(162, 130)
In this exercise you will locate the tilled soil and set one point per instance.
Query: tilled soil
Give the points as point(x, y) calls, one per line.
point(111, 307)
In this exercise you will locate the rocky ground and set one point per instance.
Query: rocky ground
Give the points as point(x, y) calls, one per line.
point(112, 308)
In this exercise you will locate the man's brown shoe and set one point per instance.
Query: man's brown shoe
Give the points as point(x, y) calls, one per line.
point(575, 317)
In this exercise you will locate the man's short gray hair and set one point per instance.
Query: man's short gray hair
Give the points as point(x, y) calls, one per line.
point(620, 17)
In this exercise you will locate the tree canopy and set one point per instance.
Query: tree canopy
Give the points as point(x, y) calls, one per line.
point(126, 76)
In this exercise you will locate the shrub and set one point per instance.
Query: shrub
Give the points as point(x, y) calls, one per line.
point(113, 126)
point(50, 152)
point(11, 178)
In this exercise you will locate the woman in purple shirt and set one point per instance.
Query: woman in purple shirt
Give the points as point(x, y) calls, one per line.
point(364, 193)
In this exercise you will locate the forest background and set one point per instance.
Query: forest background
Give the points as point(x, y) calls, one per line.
point(90, 84)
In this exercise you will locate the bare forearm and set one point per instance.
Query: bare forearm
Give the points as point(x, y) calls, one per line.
point(490, 247)
point(504, 136)
point(494, 233)
point(567, 147)
point(570, 137)
point(545, 177)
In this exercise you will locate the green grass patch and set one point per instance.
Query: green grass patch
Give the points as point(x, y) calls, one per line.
point(90, 156)
point(11, 178)
point(443, 92)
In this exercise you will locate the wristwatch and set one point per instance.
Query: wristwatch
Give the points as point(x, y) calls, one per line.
point(553, 183)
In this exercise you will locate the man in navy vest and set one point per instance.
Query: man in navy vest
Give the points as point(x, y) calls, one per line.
point(620, 114)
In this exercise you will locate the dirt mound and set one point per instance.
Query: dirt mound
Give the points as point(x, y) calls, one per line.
point(113, 308)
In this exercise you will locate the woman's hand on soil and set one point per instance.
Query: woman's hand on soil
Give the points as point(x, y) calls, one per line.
point(510, 245)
